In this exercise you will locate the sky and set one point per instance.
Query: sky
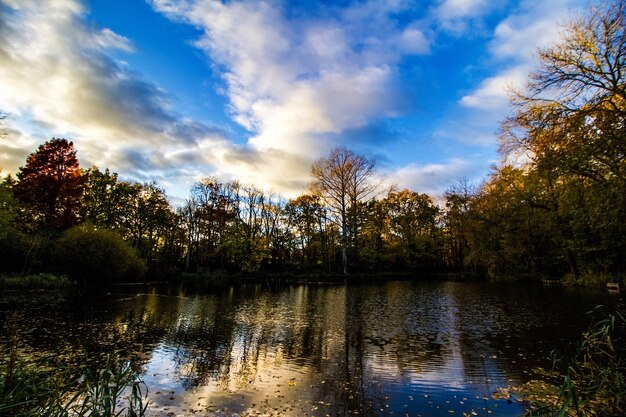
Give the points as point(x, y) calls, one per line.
point(176, 90)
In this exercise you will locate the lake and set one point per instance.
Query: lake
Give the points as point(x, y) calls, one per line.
point(393, 348)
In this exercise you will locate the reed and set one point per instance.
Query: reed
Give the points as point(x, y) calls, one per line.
point(594, 381)
point(112, 390)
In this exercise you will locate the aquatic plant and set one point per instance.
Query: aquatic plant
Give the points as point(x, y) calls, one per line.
point(594, 380)
point(113, 390)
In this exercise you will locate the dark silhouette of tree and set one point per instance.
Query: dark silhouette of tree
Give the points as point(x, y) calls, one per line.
point(51, 184)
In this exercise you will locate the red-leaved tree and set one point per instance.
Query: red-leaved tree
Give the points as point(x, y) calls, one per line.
point(51, 184)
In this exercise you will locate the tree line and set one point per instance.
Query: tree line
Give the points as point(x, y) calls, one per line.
point(554, 208)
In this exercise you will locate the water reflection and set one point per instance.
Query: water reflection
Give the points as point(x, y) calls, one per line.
point(378, 349)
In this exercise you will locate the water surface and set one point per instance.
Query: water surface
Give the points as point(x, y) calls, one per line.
point(376, 349)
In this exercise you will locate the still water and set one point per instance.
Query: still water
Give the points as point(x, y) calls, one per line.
point(376, 349)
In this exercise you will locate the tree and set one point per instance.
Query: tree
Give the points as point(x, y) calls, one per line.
point(307, 216)
point(51, 184)
point(6, 207)
point(103, 198)
point(573, 117)
point(413, 221)
point(342, 180)
point(571, 125)
point(458, 200)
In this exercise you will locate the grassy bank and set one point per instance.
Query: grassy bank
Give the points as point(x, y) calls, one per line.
point(34, 282)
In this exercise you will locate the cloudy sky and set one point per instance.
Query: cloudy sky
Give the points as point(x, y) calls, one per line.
point(177, 90)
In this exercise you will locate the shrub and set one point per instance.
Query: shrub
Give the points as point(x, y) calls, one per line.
point(92, 255)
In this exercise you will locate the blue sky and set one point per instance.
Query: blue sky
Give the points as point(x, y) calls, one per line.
point(174, 91)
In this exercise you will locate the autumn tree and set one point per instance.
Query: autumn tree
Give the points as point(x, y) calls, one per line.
point(342, 180)
point(572, 117)
point(211, 201)
point(414, 222)
point(307, 216)
point(570, 125)
point(51, 184)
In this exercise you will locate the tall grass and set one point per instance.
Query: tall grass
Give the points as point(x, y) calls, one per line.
point(114, 390)
point(594, 381)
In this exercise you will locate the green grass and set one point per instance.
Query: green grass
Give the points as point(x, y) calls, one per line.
point(34, 282)
point(112, 390)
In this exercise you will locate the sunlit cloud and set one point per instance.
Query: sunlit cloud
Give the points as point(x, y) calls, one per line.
point(297, 83)
point(494, 92)
point(58, 76)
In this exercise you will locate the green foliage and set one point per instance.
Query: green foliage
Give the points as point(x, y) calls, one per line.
point(25, 391)
point(92, 255)
point(34, 281)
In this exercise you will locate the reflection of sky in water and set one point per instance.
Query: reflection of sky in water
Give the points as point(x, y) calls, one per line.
point(395, 348)
point(376, 351)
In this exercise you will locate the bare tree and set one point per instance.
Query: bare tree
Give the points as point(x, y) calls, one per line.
point(342, 180)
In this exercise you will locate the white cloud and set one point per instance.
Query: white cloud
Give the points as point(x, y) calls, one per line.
point(493, 92)
point(109, 39)
point(451, 9)
point(459, 16)
point(433, 179)
point(293, 82)
point(57, 78)
point(513, 49)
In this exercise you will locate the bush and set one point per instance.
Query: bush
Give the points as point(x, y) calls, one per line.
point(91, 255)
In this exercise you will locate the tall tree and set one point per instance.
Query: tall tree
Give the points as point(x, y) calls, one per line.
point(342, 180)
point(103, 199)
point(51, 184)
point(572, 119)
point(571, 125)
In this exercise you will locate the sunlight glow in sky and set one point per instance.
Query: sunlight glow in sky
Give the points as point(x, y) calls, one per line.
point(177, 90)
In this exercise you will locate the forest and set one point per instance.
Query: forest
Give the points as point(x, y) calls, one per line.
point(554, 208)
